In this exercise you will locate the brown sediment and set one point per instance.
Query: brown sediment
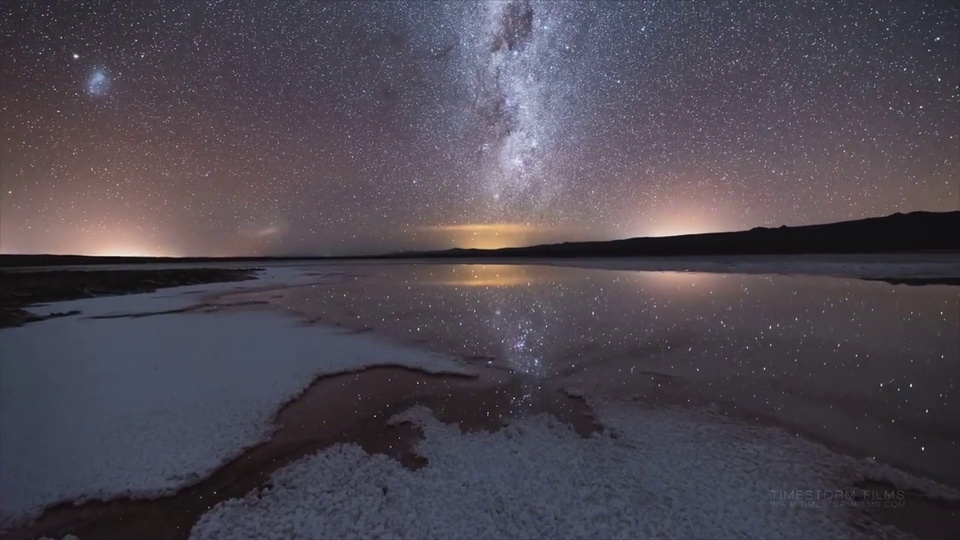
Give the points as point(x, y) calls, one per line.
point(653, 389)
point(343, 408)
point(356, 408)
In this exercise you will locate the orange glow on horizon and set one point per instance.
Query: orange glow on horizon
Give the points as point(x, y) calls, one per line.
point(486, 275)
point(115, 245)
point(683, 221)
point(127, 251)
point(674, 282)
point(488, 235)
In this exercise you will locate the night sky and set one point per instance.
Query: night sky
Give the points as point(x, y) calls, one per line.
point(223, 128)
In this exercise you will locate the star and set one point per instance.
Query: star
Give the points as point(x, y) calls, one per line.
point(335, 121)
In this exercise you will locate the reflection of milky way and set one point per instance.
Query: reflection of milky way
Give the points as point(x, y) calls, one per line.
point(758, 342)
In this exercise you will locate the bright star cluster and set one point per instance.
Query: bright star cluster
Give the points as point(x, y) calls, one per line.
point(175, 127)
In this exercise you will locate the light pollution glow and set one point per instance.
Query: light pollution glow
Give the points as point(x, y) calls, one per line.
point(123, 250)
point(465, 235)
point(593, 120)
point(131, 243)
point(681, 221)
point(670, 283)
point(102, 244)
point(486, 275)
point(488, 235)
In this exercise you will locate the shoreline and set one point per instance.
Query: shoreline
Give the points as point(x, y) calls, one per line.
point(171, 516)
point(19, 291)
point(660, 387)
point(99, 399)
point(914, 269)
point(303, 429)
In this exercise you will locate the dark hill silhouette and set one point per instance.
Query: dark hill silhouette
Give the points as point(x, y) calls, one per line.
point(897, 233)
point(913, 232)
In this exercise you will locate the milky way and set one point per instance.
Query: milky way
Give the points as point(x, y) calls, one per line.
point(509, 104)
point(515, 66)
point(175, 127)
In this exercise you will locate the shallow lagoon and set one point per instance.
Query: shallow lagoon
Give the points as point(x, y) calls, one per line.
point(868, 366)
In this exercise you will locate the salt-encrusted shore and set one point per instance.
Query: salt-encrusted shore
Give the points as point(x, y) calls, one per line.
point(153, 404)
point(100, 408)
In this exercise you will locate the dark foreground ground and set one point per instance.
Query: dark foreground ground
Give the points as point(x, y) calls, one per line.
point(21, 289)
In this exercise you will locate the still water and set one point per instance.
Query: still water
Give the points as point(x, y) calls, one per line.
point(866, 366)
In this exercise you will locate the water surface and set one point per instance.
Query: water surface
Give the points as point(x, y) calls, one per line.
point(864, 365)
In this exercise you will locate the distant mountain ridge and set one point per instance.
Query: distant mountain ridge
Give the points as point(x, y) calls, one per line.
point(912, 232)
point(904, 233)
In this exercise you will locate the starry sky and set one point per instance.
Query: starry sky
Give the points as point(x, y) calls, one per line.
point(304, 127)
